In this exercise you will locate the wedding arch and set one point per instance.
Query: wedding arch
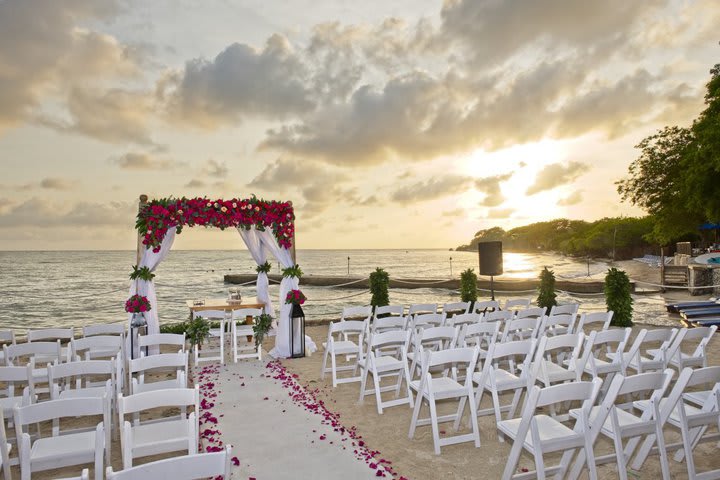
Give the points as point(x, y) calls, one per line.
point(266, 227)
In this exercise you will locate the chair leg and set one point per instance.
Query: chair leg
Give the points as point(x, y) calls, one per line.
point(687, 446)
point(378, 394)
point(363, 384)
point(513, 458)
point(333, 364)
point(416, 414)
point(515, 403)
point(434, 424)
point(474, 421)
point(459, 414)
point(620, 458)
point(539, 463)
point(664, 464)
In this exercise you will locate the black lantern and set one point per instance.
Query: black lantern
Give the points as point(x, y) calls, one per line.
point(297, 324)
point(138, 321)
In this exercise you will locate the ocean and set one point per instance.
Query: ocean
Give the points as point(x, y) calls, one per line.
point(63, 288)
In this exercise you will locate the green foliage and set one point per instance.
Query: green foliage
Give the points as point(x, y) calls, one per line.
point(468, 286)
point(677, 176)
point(264, 268)
point(379, 282)
point(546, 290)
point(573, 237)
point(176, 328)
point(197, 330)
point(293, 271)
point(618, 298)
point(261, 327)
point(143, 273)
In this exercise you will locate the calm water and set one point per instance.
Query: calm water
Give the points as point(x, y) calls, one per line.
point(42, 289)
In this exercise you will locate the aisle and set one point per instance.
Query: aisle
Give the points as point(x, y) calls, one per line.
point(274, 437)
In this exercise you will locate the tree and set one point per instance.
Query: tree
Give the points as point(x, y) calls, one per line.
point(546, 291)
point(677, 176)
point(468, 287)
point(618, 297)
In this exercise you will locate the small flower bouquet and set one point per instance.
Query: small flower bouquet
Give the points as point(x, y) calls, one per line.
point(137, 304)
point(295, 297)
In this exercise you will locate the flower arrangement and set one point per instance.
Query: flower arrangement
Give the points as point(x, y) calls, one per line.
point(295, 297)
point(261, 326)
point(155, 218)
point(137, 304)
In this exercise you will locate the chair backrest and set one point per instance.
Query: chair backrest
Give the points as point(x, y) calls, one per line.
point(484, 335)
point(84, 373)
point(611, 341)
point(392, 310)
point(14, 352)
point(101, 345)
point(487, 305)
point(559, 346)
point(517, 303)
point(498, 316)
point(585, 392)
point(519, 348)
point(594, 321)
point(424, 320)
point(688, 379)
point(453, 360)
point(442, 337)
point(140, 366)
point(568, 309)
point(394, 338)
point(7, 336)
point(11, 376)
point(455, 308)
point(171, 397)
point(45, 334)
point(173, 339)
point(647, 339)
point(422, 308)
point(243, 313)
point(357, 313)
point(347, 327)
point(685, 336)
point(386, 324)
point(521, 328)
point(463, 319)
point(550, 324)
point(187, 467)
point(104, 329)
point(531, 312)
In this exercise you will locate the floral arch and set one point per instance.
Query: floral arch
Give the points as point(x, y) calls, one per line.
point(267, 227)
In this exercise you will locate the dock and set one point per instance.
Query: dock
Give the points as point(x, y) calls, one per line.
point(500, 284)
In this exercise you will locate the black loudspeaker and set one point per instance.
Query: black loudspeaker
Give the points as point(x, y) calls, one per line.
point(491, 260)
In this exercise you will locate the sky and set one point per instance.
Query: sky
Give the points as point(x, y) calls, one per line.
point(403, 124)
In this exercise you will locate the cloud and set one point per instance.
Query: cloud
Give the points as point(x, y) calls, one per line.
point(572, 199)
point(555, 175)
point(241, 81)
point(458, 212)
point(499, 213)
point(490, 186)
point(54, 183)
point(431, 189)
point(216, 169)
point(37, 212)
point(141, 161)
point(195, 183)
point(284, 173)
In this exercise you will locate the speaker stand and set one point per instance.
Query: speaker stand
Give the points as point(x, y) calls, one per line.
point(492, 288)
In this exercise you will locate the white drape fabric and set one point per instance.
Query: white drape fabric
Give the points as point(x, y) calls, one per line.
point(259, 254)
point(282, 339)
point(151, 260)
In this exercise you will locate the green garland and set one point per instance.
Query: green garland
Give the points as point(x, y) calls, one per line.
point(264, 268)
point(143, 273)
point(261, 326)
point(293, 271)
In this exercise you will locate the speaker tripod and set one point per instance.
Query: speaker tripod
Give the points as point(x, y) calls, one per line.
point(492, 289)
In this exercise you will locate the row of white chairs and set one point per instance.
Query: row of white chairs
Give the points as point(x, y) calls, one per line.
point(232, 327)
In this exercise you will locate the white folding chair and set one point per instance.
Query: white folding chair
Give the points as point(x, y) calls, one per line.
point(6, 337)
point(594, 321)
point(98, 347)
point(63, 448)
point(434, 338)
point(691, 420)
point(5, 449)
point(698, 337)
point(337, 346)
point(451, 309)
point(388, 324)
point(521, 329)
point(422, 308)
point(558, 324)
point(175, 341)
point(639, 357)
point(594, 360)
point(618, 422)
point(501, 316)
point(531, 312)
point(482, 335)
point(388, 311)
point(38, 354)
point(243, 336)
point(104, 329)
point(426, 320)
point(211, 354)
point(432, 389)
point(64, 335)
point(141, 439)
point(517, 304)
point(539, 434)
point(485, 306)
point(380, 365)
point(187, 467)
point(506, 369)
point(461, 319)
point(567, 309)
point(177, 362)
point(19, 388)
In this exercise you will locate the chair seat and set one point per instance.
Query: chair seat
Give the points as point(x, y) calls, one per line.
point(555, 373)
point(345, 346)
point(152, 386)
point(674, 418)
point(443, 387)
point(63, 448)
point(625, 419)
point(504, 380)
point(244, 330)
point(386, 362)
point(553, 434)
point(94, 392)
point(8, 404)
point(698, 398)
point(152, 438)
point(632, 362)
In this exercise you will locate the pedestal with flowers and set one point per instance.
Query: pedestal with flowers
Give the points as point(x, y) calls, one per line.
point(138, 305)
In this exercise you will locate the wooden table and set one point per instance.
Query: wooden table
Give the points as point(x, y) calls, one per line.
point(223, 304)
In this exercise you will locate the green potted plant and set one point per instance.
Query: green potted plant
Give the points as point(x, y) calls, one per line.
point(618, 298)
point(468, 287)
point(261, 326)
point(546, 291)
point(379, 281)
point(196, 331)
